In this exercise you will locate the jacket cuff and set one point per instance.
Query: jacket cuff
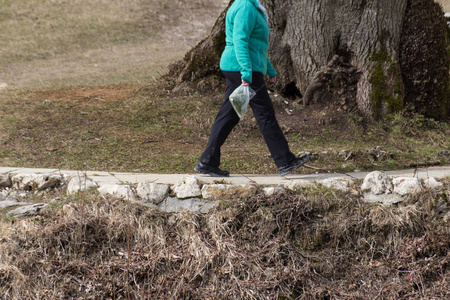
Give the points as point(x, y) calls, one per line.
point(272, 74)
point(270, 69)
point(247, 76)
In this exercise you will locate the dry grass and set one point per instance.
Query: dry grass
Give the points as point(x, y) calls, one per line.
point(54, 43)
point(316, 244)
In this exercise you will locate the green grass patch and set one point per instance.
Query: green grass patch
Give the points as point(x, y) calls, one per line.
point(149, 129)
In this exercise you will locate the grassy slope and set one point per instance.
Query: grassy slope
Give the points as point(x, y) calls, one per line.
point(52, 43)
point(133, 128)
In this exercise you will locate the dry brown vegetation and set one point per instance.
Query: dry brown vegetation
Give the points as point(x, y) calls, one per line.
point(313, 244)
point(54, 43)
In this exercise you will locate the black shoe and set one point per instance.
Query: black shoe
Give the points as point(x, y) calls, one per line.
point(213, 171)
point(295, 164)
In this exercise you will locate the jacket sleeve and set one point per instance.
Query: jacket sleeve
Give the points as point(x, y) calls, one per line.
point(244, 22)
point(270, 69)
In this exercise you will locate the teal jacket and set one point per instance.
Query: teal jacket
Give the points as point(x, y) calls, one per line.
point(247, 40)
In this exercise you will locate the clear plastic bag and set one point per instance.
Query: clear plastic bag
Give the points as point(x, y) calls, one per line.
point(240, 98)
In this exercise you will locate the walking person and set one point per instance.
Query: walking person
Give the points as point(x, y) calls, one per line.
point(244, 61)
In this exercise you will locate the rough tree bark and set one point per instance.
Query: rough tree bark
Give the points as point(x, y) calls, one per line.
point(424, 60)
point(309, 37)
point(202, 62)
point(307, 34)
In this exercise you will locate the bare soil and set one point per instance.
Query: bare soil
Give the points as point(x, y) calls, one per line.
point(445, 4)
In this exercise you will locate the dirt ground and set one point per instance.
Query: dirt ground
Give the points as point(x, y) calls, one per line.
point(160, 33)
point(445, 4)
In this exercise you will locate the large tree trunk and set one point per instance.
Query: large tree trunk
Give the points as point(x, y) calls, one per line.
point(310, 39)
point(201, 64)
point(424, 60)
point(307, 34)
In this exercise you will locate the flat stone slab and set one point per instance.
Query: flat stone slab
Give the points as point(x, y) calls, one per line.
point(194, 204)
point(422, 173)
point(71, 173)
point(315, 177)
point(235, 179)
point(34, 171)
point(11, 203)
point(28, 210)
point(104, 178)
point(7, 169)
point(134, 178)
point(268, 179)
point(98, 173)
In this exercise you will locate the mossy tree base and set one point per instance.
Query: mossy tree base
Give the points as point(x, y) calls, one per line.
point(200, 66)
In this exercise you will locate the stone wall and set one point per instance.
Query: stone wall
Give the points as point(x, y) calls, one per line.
point(191, 194)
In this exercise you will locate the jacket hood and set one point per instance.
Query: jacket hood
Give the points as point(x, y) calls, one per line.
point(259, 6)
point(256, 4)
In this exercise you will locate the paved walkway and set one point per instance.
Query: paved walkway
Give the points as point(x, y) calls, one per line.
point(103, 178)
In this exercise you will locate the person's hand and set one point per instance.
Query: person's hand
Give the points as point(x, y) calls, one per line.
point(273, 80)
point(245, 83)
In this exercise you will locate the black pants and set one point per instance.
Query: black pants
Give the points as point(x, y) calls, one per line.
point(264, 114)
